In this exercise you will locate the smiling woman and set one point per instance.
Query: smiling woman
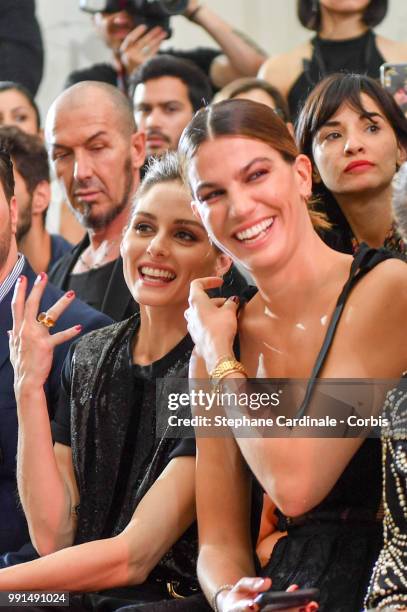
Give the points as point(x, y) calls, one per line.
point(356, 136)
point(124, 498)
point(312, 318)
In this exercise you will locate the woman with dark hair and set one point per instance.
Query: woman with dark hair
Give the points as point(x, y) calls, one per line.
point(356, 137)
point(256, 90)
point(18, 108)
point(250, 188)
point(110, 504)
point(344, 40)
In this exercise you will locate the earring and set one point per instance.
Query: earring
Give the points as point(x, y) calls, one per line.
point(315, 6)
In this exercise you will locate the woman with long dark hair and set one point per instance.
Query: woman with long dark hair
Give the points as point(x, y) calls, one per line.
point(356, 137)
point(318, 314)
point(344, 40)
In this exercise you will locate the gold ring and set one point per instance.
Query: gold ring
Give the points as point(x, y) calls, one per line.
point(46, 320)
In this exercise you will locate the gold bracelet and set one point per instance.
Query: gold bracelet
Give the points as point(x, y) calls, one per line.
point(227, 365)
point(224, 587)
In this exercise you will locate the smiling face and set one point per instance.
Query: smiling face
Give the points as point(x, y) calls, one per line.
point(356, 153)
point(162, 109)
point(165, 247)
point(251, 202)
point(94, 158)
point(16, 110)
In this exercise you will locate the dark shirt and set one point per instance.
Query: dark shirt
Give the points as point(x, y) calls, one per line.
point(21, 50)
point(359, 55)
point(91, 286)
point(59, 246)
point(201, 56)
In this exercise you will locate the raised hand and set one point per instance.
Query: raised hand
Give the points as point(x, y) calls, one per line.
point(139, 46)
point(31, 344)
point(212, 323)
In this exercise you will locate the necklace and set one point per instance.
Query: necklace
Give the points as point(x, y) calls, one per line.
point(99, 255)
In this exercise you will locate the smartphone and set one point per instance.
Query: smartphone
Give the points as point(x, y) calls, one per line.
point(283, 600)
point(394, 78)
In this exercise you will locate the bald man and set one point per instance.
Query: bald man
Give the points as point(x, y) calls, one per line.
point(96, 153)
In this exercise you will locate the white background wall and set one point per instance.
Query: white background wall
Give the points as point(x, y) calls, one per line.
point(70, 41)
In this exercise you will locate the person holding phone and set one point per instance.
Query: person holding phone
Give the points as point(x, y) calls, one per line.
point(317, 314)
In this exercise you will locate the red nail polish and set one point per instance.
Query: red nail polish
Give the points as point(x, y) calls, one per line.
point(78, 327)
point(70, 294)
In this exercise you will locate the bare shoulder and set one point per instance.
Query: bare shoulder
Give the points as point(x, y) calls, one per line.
point(282, 70)
point(393, 51)
point(385, 285)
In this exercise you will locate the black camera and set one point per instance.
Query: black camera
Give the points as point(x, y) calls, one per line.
point(154, 9)
point(150, 12)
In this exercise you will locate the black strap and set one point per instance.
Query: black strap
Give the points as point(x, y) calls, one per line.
point(365, 260)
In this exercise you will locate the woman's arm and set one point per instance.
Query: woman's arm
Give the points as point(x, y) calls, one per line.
point(162, 516)
point(370, 343)
point(241, 57)
point(45, 479)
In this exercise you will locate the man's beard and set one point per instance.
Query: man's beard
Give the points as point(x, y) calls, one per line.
point(24, 220)
point(84, 214)
point(5, 243)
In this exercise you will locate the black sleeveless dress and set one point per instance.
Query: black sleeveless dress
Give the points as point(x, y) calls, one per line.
point(335, 545)
point(359, 55)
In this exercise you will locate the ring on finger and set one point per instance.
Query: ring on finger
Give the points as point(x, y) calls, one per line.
point(145, 50)
point(46, 320)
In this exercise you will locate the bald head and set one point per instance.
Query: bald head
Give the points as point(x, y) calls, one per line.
point(89, 97)
point(95, 151)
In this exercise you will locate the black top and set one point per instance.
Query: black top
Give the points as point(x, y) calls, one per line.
point(21, 49)
point(90, 287)
point(359, 55)
point(144, 377)
point(59, 246)
point(201, 56)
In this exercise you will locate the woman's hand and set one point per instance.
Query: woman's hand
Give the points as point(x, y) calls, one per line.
point(241, 597)
point(31, 344)
point(212, 323)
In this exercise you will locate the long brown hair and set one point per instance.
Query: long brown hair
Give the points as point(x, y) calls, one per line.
point(241, 118)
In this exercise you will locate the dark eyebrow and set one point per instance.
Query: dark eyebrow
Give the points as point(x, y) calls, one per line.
point(364, 115)
point(176, 221)
point(240, 173)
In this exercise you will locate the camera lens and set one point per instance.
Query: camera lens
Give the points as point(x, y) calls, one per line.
point(174, 7)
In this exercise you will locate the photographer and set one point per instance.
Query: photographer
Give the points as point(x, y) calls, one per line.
point(21, 51)
point(134, 32)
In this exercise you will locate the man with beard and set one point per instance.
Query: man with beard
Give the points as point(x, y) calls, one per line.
point(97, 154)
point(168, 91)
point(13, 526)
point(33, 193)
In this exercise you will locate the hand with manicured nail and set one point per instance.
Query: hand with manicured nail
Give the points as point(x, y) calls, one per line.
point(212, 323)
point(31, 344)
